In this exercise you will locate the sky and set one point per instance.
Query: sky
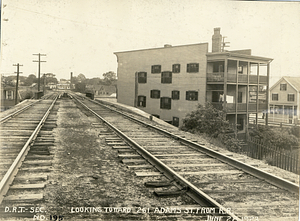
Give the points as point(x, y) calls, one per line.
point(80, 36)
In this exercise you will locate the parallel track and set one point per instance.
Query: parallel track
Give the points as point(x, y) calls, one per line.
point(210, 178)
point(19, 132)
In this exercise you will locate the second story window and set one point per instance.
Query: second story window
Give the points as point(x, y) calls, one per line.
point(192, 95)
point(155, 93)
point(165, 103)
point(240, 69)
point(274, 97)
point(175, 95)
point(166, 77)
point(142, 77)
point(283, 87)
point(291, 97)
point(192, 68)
point(141, 101)
point(155, 69)
point(176, 68)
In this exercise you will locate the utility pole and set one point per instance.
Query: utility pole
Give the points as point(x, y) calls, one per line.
point(17, 83)
point(71, 78)
point(224, 44)
point(39, 68)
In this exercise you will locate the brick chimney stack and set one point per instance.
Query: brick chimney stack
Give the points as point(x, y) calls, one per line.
point(216, 40)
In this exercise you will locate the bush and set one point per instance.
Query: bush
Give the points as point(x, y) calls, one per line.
point(211, 121)
point(206, 119)
point(26, 94)
point(277, 137)
point(231, 143)
point(295, 130)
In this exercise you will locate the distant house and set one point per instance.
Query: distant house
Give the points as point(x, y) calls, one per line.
point(102, 90)
point(63, 85)
point(51, 85)
point(8, 96)
point(285, 100)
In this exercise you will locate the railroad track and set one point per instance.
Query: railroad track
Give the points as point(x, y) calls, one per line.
point(175, 165)
point(25, 160)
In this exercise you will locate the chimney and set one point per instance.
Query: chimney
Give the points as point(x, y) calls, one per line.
point(216, 40)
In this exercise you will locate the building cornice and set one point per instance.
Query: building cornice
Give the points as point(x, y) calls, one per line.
point(161, 48)
point(228, 54)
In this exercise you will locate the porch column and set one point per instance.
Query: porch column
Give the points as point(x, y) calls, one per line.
point(236, 93)
point(268, 94)
point(225, 83)
point(247, 98)
point(257, 91)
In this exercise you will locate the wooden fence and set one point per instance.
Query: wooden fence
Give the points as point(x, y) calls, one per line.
point(285, 159)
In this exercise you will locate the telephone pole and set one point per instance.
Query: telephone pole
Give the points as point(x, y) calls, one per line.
point(39, 68)
point(17, 83)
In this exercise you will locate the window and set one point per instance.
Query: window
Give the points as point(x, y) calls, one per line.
point(9, 95)
point(192, 95)
point(240, 124)
point(274, 97)
point(165, 103)
point(142, 77)
point(283, 87)
point(240, 97)
point(175, 121)
point(240, 70)
point(155, 94)
point(271, 110)
point(291, 97)
point(217, 67)
point(141, 101)
point(166, 77)
point(176, 68)
point(155, 115)
point(175, 95)
point(192, 67)
point(155, 69)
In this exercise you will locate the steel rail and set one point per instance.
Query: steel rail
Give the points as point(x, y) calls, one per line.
point(191, 190)
point(17, 112)
point(13, 170)
point(265, 176)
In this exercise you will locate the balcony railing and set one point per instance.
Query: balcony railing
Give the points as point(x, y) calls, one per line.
point(217, 105)
point(242, 78)
point(215, 77)
point(252, 107)
point(263, 79)
point(262, 107)
point(231, 77)
point(241, 107)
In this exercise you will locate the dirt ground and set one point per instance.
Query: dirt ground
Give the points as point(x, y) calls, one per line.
point(88, 174)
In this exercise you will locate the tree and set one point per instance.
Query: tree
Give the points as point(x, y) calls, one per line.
point(30, 80)
point(109, 78)
point(81, 78)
